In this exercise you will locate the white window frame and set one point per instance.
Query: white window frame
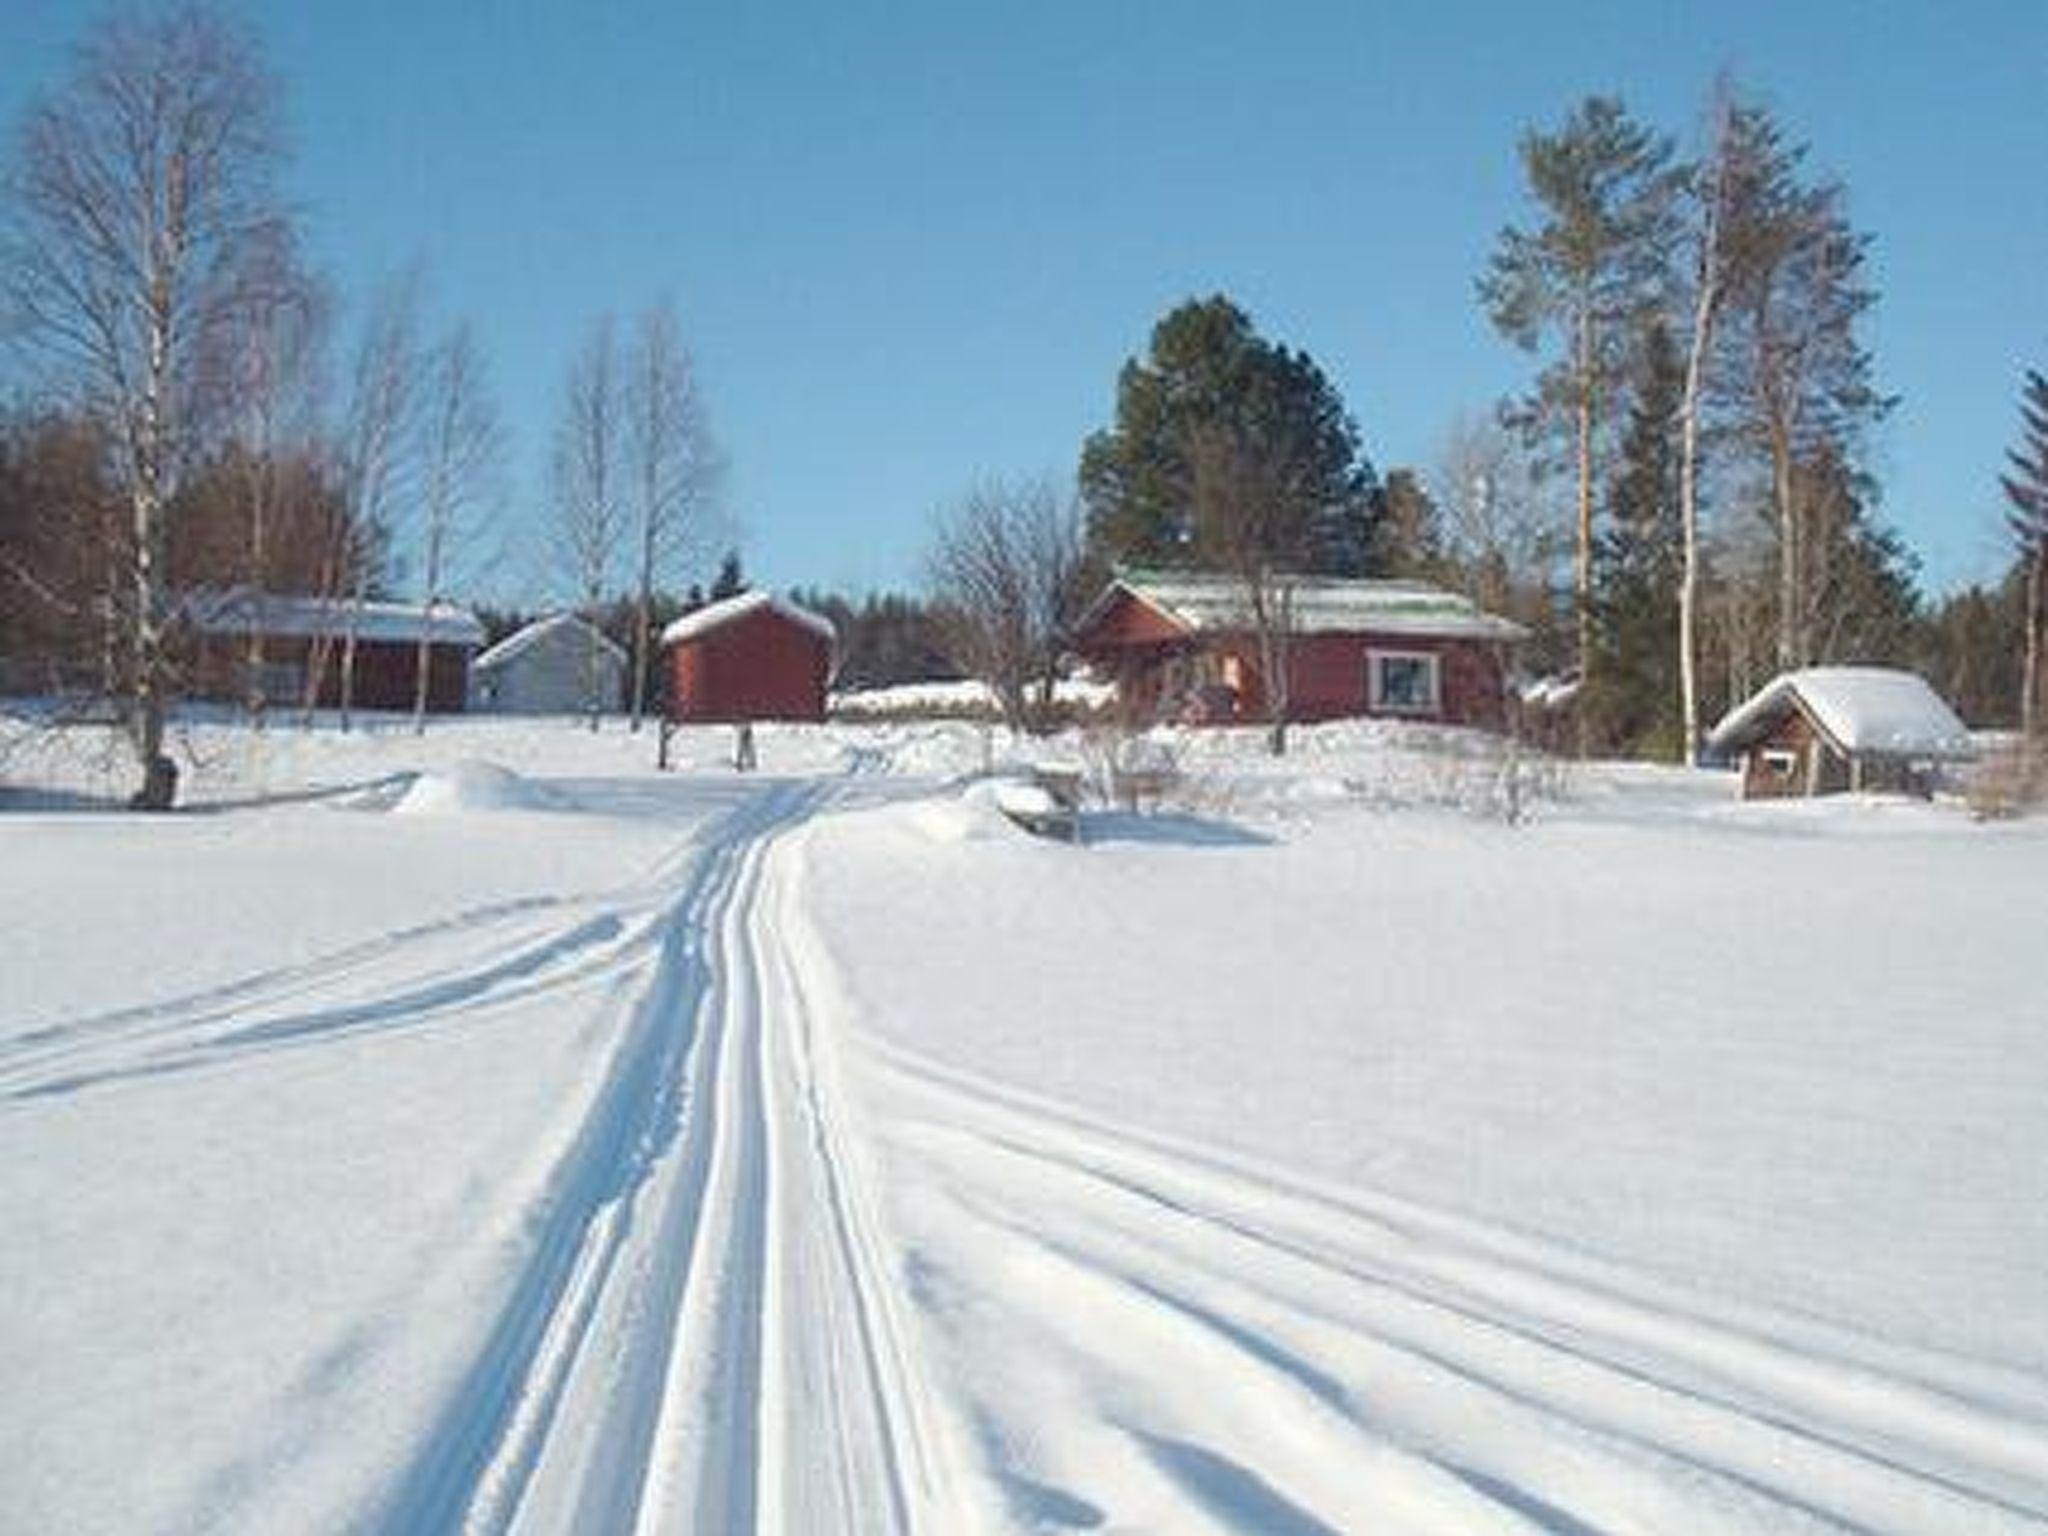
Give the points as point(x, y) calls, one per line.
point(1375, 694)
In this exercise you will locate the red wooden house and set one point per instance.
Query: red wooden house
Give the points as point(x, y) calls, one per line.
point(310, 642)
point(1183, 645)
point(751, 657)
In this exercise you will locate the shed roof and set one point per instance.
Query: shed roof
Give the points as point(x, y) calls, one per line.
point(1209, 601)
point(718, 614)
point(528, 636)
point(1865, 710)
point(240, 610)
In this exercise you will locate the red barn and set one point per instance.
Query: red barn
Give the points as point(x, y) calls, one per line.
point(1182, 645)
point(751, 657)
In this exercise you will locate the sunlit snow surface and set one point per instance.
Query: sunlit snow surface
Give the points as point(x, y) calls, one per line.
point(484, 1131)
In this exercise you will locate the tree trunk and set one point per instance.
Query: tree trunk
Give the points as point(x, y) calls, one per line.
point(1790, 576)
point(1582, 565)
point(2037, 620)
point(643, 616)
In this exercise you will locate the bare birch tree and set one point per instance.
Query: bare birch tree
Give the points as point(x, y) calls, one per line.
point(266, 373)
point(674, 466)
point(1710, 196)
point(462, 452)
point(1253, 523)
point(137, 192)
point(379, 469)
point(1002, 574)
point(589, 511)
point(1798, 378)
point(1499, 530)
point(2026, 492)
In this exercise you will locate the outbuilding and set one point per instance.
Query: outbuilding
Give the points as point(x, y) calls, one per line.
point(747, 658)
point(1184, 645)
point(1826, 730)
point(558, 665)
point(245, 645)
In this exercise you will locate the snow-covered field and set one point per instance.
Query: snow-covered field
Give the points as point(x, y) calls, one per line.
point(482, 1131)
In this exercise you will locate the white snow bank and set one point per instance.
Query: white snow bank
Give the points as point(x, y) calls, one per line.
point(984, 809)
point(472, 785)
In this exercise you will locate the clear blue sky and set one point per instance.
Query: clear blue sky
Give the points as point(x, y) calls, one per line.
point(912, 243)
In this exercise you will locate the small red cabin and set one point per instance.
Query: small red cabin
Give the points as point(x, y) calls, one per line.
point(1182, 645)
point(751, 657)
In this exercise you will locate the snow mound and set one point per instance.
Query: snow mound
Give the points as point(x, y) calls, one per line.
point(982, 810)
point(472, 785)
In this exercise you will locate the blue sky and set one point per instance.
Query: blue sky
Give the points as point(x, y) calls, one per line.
point(911, 244)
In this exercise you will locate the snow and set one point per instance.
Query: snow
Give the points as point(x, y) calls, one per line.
point(713, 615)
point(1317, 604)
point(1865, 709)
point(814, 1150)
point(960, 696)
point(236, 612)
point(471, 785)
point(526, 637)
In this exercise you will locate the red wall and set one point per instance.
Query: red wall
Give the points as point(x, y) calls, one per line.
point(1326, 676)
point(761, 666)
point(386, 671)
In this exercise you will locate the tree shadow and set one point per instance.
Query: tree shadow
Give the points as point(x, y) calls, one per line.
point(1168, 828)
point(36, 800)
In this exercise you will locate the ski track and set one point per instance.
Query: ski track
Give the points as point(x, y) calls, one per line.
point(703, 1338)
point(1491, 1382)
point(1056, 1323)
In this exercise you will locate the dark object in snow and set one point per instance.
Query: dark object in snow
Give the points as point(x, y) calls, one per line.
point(159, 790)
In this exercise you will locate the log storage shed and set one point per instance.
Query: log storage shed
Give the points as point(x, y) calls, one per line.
point(1826, 730)
point(751, 657)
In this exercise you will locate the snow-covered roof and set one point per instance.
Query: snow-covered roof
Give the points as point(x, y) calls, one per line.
point(524, 639)
point(241, 610)
point(1876, 710)
point(713, 615)
point(1201, 600)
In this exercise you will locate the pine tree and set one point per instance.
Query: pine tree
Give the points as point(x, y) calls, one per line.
point(1587, 273)
point(1210, 385)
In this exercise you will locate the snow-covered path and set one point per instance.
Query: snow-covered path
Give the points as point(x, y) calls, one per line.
point(705, 1338)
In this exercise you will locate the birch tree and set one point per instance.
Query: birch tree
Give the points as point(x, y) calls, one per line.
point(1584, 275)
point(589, 510)
point(379, 454)
point(135, 195)
point(1711, 194)
point(1798, 377)
point(265, 369)
point(674, 467)
point(461, 455)
point(1002, 571)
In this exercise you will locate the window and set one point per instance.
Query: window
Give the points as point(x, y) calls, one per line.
point(1779, 763)
point(1403, 682)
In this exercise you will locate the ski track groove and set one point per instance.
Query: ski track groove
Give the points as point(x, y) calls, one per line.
point(643, 1375)
point(1161, 1221)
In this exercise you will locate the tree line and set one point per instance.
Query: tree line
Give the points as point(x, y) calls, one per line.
point(1679, 506)
point(188, 418)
